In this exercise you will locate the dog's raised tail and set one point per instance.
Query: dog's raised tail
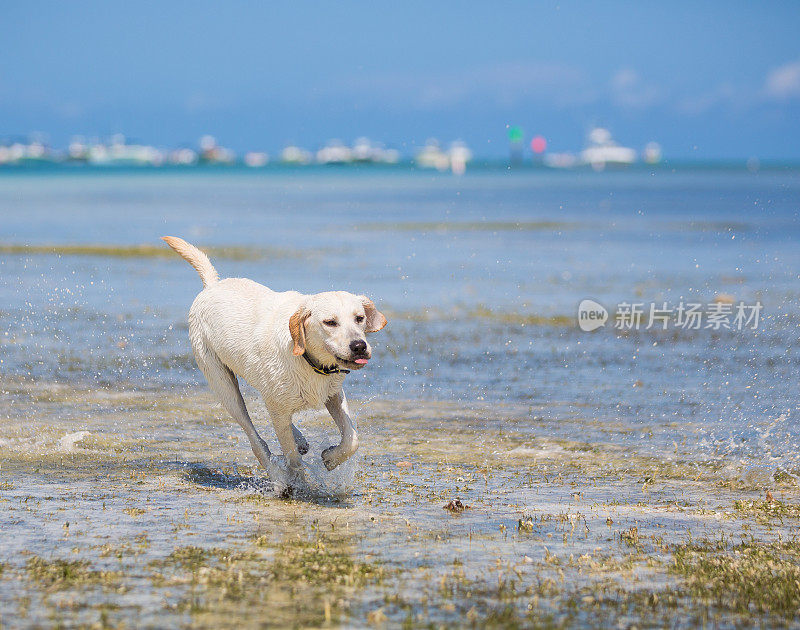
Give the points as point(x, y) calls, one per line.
point(195, 258)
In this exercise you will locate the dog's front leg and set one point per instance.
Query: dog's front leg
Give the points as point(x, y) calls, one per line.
point(284, 430)
point(335, 455)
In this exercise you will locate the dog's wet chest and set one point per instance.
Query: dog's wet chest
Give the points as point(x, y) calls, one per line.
point(316, 391)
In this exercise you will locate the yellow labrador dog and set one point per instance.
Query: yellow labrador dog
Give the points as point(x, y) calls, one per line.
point(294, 349)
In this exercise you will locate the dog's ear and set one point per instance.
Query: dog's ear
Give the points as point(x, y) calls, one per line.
point(375, 319)
point(297, 329)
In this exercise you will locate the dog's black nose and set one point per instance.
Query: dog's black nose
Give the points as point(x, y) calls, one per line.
point(358, 346)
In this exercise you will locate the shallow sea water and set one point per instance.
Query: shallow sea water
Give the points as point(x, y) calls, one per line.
point(589, 461)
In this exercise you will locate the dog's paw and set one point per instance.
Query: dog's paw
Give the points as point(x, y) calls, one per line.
point(284, 492)
point(297, 480)
point(290, 482)
point(329, 458)
point(300, 440)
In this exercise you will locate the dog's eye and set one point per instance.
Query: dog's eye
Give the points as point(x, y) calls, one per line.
point(330, 322)
point(359, 319)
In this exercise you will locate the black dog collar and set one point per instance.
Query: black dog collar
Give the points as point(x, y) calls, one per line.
point(325, 370)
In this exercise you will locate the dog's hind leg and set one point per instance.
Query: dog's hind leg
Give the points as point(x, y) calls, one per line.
point(224, 384)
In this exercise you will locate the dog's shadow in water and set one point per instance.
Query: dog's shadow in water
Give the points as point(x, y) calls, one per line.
point(200, 474)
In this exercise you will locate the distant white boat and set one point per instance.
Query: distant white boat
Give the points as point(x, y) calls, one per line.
point(26, 153)
point(363, 151)
point(432, 156)
point(183, 157)
point(366, 151)
point(652, 153)
point(455, 159)
point(295, 155)
point(78, 150)
point(459, 154)
point(256, 159)
point(119, 153)
point(212, 153)
point(559, 160)
point(335, 152)
point(603, 151)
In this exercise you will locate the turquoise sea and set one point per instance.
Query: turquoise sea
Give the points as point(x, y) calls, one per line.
point(481, 276)
point(639, 475)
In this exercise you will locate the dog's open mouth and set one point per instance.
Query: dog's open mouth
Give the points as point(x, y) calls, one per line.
point(352, 364)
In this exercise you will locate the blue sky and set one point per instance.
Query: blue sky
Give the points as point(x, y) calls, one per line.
point(706, 80)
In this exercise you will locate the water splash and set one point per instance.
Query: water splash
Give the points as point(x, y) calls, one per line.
point(68, 442)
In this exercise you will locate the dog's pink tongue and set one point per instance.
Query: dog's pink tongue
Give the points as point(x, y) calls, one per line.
point(362, 361)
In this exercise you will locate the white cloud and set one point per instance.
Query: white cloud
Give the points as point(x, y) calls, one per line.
point(784, 81)
point(628, 90)
point(506, 84)
point(556, 85)
point(724, 94)
point(625, 79)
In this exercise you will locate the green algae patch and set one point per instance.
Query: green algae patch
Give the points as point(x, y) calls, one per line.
point(59, 574)
point(140, 251)
point(302, 581)
point(323, 562)
point(751, 576)
point(766, 511)
point(191, 558)
point(467, 226)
